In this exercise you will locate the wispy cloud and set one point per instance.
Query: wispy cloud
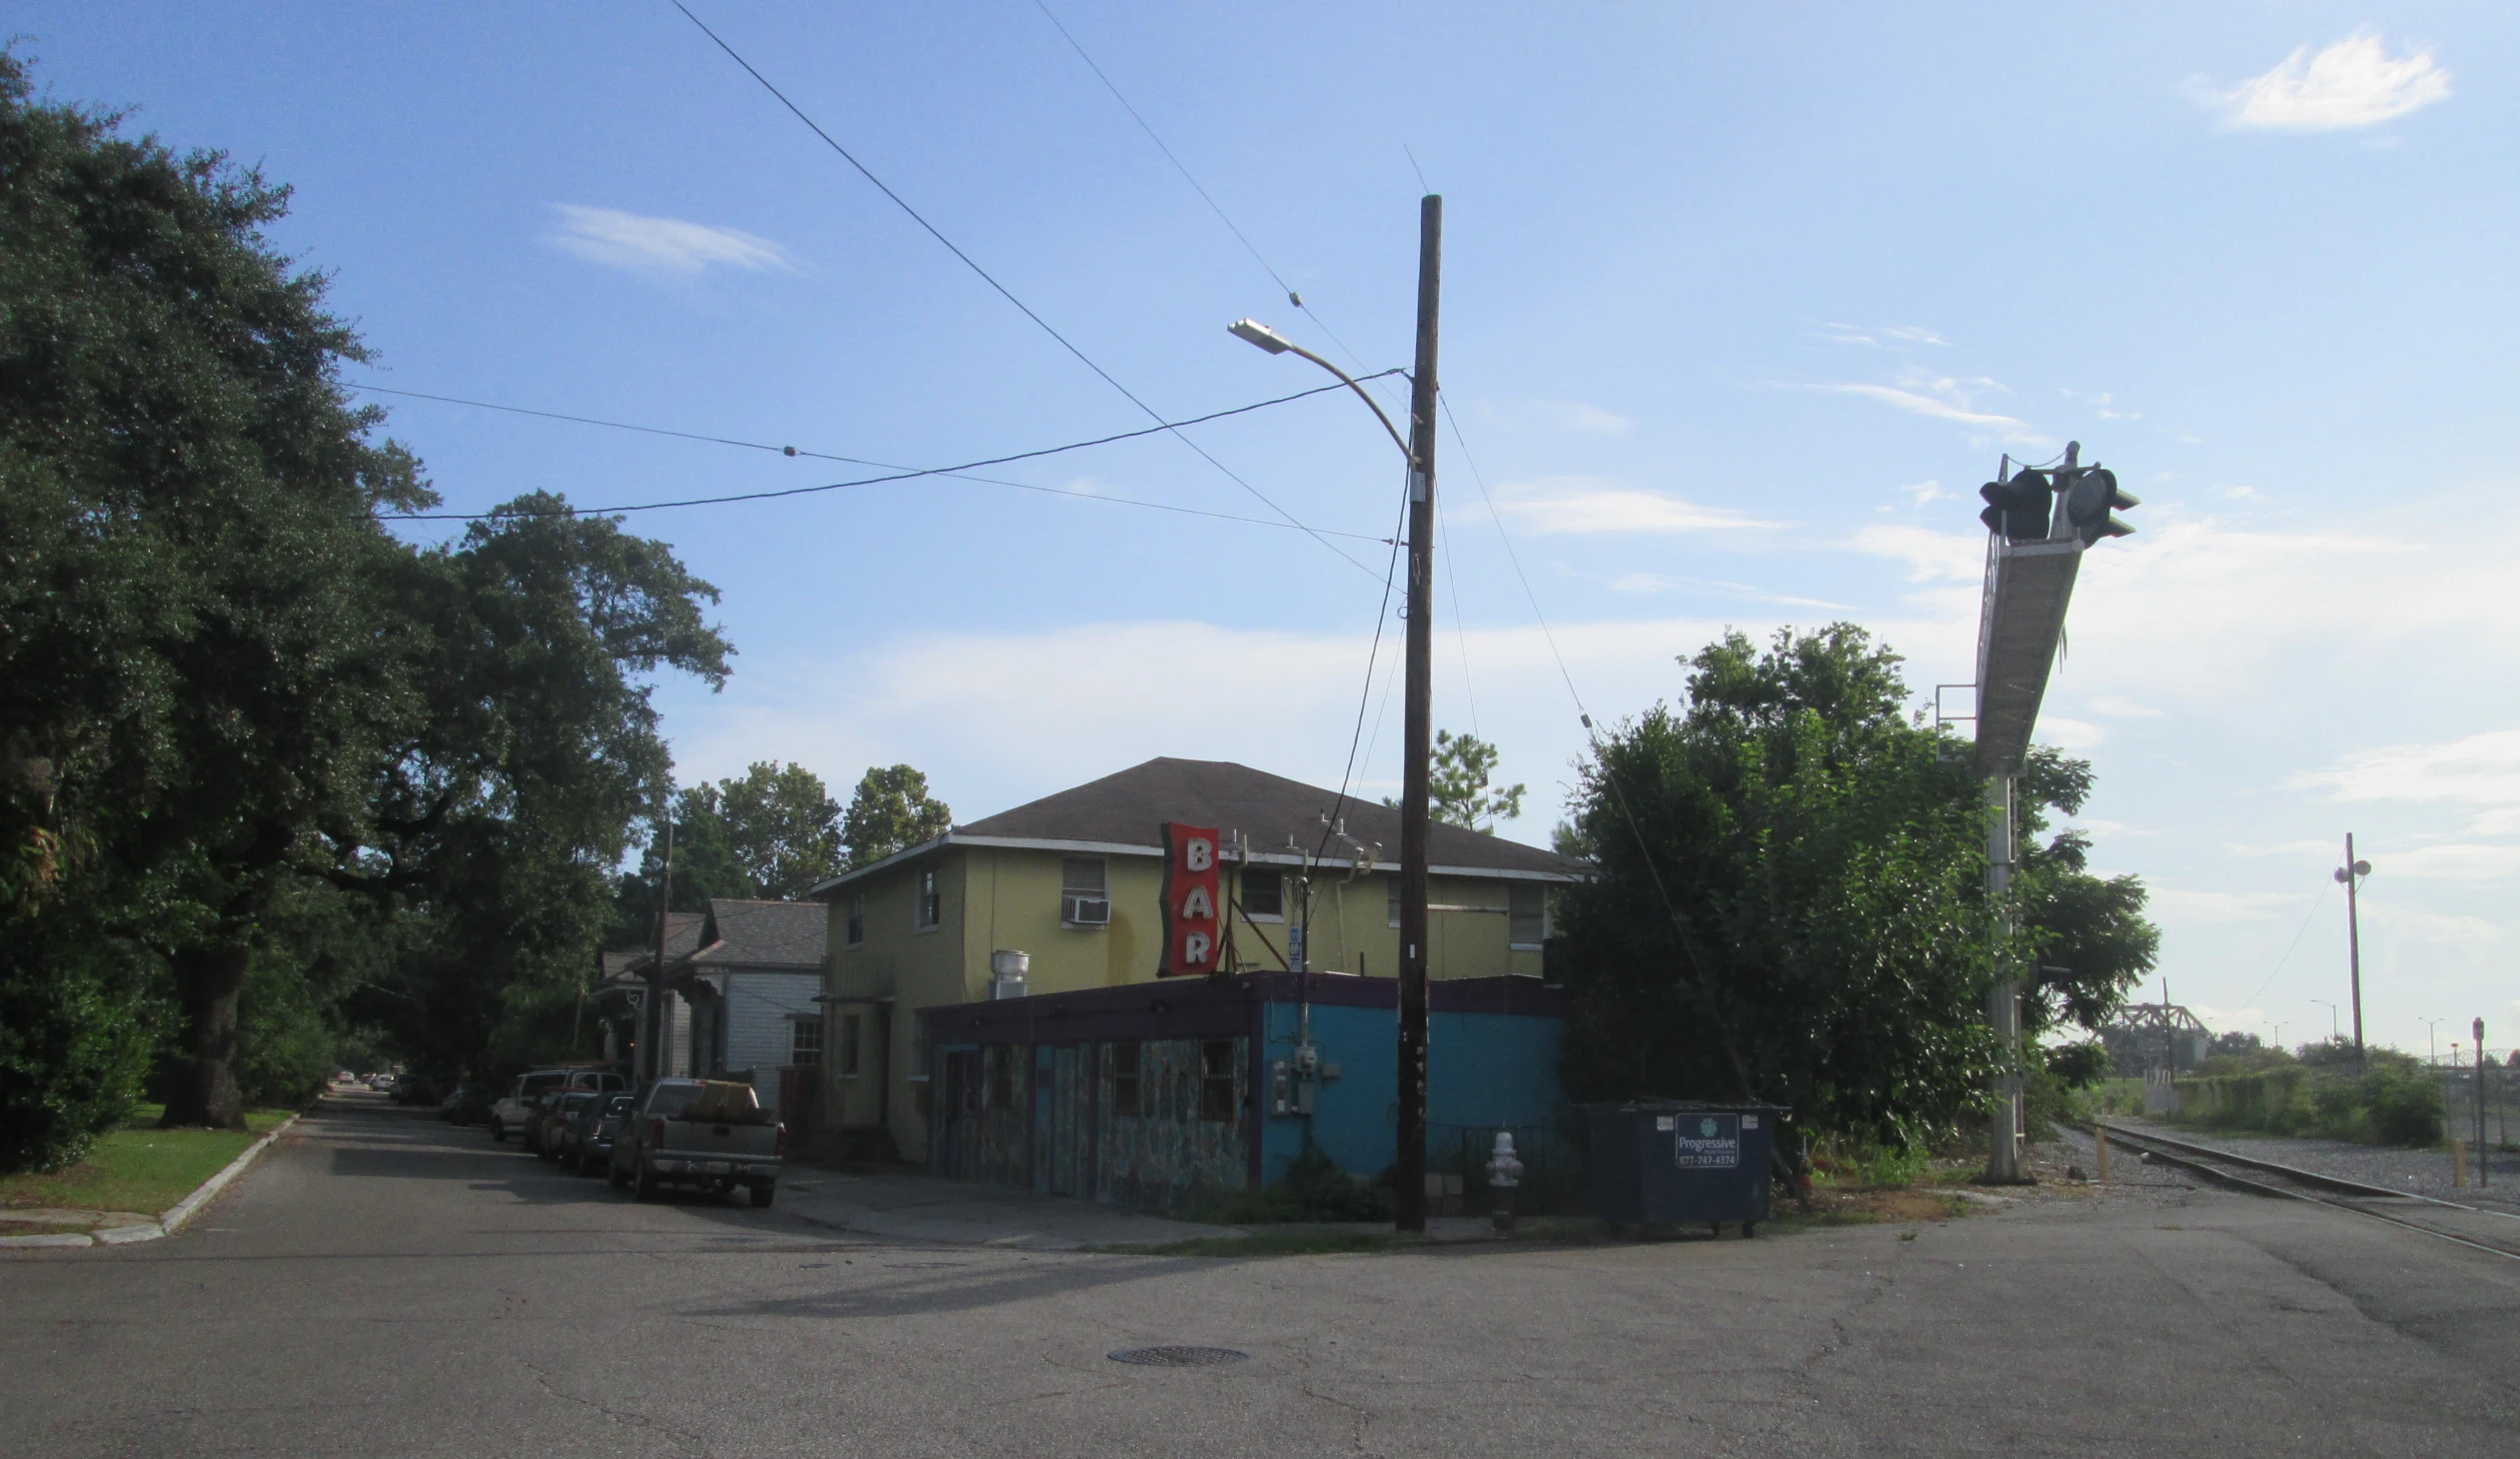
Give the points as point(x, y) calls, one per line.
point(2123, 708)
point(1656, 583)
point(2353, 83)
point(2479, 769)
point(2181, 905)
point(1932, 556)
point(1556, 415)
point(1943, 399)
point(648, 245)
point(1892, 336)
point(1574, 505)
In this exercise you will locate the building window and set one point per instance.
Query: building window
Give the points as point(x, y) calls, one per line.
point(1527, 913)
point(804, 1040)
point(1263, 895)
point(1124, 1082)
point(1391, 901)
point(856, 932)
point(1216, 1080)
point(932, 903)
point(1001, 1078)
point(851, 1027)
point(1084, 892)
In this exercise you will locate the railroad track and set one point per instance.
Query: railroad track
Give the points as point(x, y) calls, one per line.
point(2497, 1233)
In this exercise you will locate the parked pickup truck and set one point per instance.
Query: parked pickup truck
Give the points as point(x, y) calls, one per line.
point(699, 1133)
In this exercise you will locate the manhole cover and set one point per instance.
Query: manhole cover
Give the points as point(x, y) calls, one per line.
point(1178, 1357)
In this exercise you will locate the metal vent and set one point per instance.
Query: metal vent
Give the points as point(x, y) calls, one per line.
point(1178, 1357)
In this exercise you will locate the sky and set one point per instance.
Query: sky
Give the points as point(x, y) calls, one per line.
point(1739, 306)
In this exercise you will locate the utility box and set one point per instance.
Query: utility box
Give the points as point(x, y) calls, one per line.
point(1678, 1161)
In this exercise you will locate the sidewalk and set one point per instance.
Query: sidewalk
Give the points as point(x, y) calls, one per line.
point(908, 1206)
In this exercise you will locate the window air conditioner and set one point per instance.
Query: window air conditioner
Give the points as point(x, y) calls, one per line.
point(1086, 911)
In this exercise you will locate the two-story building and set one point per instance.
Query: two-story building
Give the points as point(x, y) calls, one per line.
point(1073, 883)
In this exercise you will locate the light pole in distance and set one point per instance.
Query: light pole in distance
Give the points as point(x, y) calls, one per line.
point(2352, 873)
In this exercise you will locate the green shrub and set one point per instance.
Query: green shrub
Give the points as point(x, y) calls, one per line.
point(1314, 1188)
point(78, 1026)
point(286, 1045)
point(2396, 1103)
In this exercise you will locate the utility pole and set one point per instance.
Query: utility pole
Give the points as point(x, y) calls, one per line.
point(2352, 873)
point(1418, 727)
point(2003, 1000)
point(651, 1025)
point(2484, 1152)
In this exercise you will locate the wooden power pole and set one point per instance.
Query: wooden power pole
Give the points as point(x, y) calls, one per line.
point(1410, 1159)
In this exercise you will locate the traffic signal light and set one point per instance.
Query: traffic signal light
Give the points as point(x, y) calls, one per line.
point(2020, 507)
point(2090, 498)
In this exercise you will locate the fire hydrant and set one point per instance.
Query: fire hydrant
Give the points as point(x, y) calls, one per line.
point(1505, 1172)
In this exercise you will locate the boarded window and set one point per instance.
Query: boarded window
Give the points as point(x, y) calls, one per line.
point(1391, 901)
point(1124, 1080)
point(1081, 875)
point(1216, 1080)
point(1263, 892)
point(856, 930)
point(852, 1028)
point(1527, 905)
point(805, 1041)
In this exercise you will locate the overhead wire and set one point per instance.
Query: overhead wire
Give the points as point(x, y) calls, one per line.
point(892, 472)
point(1293, 296)
point(1296, 298)
point(1003, 292)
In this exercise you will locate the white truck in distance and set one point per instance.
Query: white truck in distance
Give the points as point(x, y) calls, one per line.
point(699, 1133)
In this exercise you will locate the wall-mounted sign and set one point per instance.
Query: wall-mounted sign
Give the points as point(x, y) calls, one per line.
point(1193, 926)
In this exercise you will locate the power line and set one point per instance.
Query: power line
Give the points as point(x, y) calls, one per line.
point(892, 474)
point(1292, 297)
point(1003, 292)
point(1365, 694)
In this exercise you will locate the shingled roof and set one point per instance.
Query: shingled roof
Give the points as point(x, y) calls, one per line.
point(1124, 812)
point(744, 933)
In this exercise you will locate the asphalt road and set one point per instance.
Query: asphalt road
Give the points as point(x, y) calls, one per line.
point(387, 1285)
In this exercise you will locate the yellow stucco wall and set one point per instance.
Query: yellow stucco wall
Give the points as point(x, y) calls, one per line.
point(998, 897)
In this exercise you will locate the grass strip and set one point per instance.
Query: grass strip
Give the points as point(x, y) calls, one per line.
point(139, 1167)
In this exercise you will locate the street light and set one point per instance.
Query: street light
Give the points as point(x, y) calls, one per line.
point(2432, 1045)
point(2351, 875)
point(1409, 1139)
point(2333, 1032)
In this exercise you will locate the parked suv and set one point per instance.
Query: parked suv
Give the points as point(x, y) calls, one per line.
point(515, 1114)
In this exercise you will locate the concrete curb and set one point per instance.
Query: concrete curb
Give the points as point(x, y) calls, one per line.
point(176, 1215)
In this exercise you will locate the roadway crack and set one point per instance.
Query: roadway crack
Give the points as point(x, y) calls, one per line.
point(625, 1418)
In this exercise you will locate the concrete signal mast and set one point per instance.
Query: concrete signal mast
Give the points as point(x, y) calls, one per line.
point(2039, 521)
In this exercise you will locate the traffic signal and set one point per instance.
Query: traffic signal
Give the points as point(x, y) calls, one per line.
point(2019, 508)
point(2090, 498)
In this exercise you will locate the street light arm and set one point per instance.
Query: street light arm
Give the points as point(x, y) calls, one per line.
point(1256, 333)
point(1396, 437)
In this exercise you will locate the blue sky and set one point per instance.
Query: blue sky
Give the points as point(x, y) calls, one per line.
point(1740, 308)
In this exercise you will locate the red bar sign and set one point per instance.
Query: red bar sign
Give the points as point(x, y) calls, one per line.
point(1191, 923)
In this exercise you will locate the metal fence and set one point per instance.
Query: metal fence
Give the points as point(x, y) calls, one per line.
point(1557, 1168)
point(2462, 1112)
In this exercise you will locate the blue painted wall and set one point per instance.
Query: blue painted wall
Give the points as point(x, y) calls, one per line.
point(1482, 1069)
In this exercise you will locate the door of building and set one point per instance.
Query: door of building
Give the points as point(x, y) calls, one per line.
point(1067, 1098)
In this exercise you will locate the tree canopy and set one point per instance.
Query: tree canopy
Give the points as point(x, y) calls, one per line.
point(1457, 791)
point(252, 738)
point(1790, 899)
point(890, 810)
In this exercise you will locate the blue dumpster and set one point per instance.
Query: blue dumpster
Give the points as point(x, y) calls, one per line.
point(1679, 1161)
